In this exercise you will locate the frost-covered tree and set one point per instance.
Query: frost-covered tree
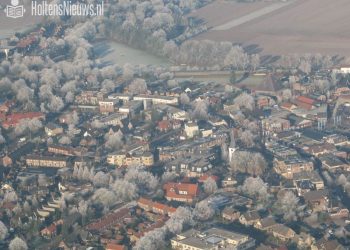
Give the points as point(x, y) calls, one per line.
point(138, 86)
point(65, 140)
point(124, 190)
point(247, 138)
point(255, 187)
point(254, 61)
point(184, 99)
point(203, 211)
point(168, 176)
point(200, 109)
point(101, 179)
point(104, 196)
point(210, 186)
point(2, 138)
point(288, 205)
point(154, 240)
point(3, 231)
point(114, 141)
point(245, 100)
point(18, 244)
point(247, 162)
point(145, 181)
point(178, 220)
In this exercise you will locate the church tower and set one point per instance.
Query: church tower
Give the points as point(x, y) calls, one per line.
point(232, 148)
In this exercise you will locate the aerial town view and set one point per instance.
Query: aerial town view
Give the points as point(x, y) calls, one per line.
point(174, 124)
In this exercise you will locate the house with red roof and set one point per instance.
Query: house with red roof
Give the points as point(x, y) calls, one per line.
point(155, 207)
point(305, 102)
point(164, 125)
point(203, 178)
point(13, 120)
point(183, 192)
point(112, 246)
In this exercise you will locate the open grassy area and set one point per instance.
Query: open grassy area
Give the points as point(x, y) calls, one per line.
point(312, 26)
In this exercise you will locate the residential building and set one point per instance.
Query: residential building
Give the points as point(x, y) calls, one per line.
point(89, 98)
point(126, 159)
point(334, 163)
point(52, 129)
point(156, 99)
point(13, 120)
point(230, 214)
point(282, 232)
point(183, 192)
point(107, 106)
point(228, 181)
point(312, 176)
point(275, 124)
point(191, 129)
point(249, 218)
point(290, 165)
point(155, 207)
point(212, 239)
point(265, 224)
point(114, 119)
point(65, 150)
point(317, 200)
point(46, 161)
point(108, 221)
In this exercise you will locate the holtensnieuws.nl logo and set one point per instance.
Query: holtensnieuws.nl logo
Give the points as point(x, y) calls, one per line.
point(14, 10)
point(61, 8)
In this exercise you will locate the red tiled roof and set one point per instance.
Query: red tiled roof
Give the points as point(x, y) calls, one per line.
point(156, 206)
point(111, 246)
point(205, 177)
point(287, 105)
point(305, 99)
point(108, 220)
point(164, 124)
point(14, 119)
point(26, 42)
point(191, 189)
point(183, 191)
point(49, 230)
